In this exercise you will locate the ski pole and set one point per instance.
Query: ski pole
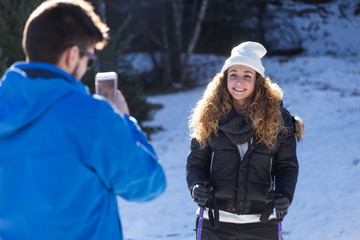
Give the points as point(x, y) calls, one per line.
point(280, 231)
point(279, 226)
point(200, 223)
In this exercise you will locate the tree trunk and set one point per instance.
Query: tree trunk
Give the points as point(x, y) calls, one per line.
point(177, 35)
point(260, 18)
point(194, 39)
point(167, 77)
point(102, 9)
point(178, 14)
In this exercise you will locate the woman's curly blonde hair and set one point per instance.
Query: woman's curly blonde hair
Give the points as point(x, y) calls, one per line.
point(262, 108)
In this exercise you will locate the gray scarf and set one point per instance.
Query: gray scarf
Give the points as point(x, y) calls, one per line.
point(236, 128)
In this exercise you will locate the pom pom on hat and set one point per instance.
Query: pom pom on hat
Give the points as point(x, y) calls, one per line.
point(248, 54)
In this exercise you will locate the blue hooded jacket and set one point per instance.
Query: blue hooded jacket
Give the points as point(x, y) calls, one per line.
point(64, 156)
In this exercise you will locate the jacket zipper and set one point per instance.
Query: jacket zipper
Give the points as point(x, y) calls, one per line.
point(211, 165)
point(237, 196)
point(271, 178)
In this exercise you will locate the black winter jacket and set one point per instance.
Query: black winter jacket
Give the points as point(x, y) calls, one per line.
point(245, 186)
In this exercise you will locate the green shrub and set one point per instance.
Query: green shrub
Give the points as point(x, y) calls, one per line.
point(13, 15)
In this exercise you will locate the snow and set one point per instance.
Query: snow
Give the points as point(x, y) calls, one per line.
point(322, 86)
point(329, 28)
point(325, 92)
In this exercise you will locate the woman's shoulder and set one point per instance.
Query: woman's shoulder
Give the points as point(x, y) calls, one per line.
point(292, 123)
point(286, 117)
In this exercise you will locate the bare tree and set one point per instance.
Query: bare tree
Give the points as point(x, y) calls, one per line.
point(172, 36)
point(101, 6)
point(179, 69)
point(194, 39)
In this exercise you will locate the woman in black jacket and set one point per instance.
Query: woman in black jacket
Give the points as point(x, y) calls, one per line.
point(243, 150)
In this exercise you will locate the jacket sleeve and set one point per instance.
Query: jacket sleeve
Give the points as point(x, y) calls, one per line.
point(123, 159)
point(286, 165)
point(198, 164)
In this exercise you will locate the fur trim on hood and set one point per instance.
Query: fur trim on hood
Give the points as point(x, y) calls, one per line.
point(299, 128)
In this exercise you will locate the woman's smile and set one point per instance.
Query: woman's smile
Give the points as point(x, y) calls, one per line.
point(239, 89)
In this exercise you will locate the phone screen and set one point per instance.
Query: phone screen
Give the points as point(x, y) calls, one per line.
point(106, 88)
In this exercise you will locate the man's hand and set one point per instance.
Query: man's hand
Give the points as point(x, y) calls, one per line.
point(121, 103)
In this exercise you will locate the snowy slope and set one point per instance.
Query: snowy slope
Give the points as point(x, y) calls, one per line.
point(325, 93)
point(331, 28)
point(323, 28)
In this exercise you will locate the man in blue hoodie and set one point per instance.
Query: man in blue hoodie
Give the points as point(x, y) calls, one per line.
point(65, 155)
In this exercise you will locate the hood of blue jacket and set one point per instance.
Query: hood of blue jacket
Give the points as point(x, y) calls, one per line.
point(27, 90)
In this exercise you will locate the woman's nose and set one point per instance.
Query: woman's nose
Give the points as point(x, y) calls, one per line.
point(239, 80)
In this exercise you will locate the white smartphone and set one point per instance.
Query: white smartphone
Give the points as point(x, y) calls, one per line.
point(106, 85)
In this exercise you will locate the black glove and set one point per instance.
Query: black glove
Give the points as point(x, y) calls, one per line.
point(281, 205)
point(201, 194)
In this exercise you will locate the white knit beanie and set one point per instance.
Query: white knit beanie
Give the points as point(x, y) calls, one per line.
point(248, 54)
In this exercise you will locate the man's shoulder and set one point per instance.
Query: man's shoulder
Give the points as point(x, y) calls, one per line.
point(85, 102)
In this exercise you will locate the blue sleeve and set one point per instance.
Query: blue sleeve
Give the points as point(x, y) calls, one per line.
point(138, 135)
point(123, 158)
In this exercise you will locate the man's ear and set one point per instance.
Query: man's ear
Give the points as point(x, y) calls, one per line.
point(69, 59)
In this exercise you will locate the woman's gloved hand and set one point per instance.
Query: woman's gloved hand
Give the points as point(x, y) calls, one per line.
point(201, 194)
point(281, 205)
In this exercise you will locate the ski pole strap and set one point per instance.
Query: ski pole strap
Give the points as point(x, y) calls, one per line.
point(213, 211)
point(267, 212)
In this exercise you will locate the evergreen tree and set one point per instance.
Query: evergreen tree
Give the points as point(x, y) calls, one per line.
point(13, 15)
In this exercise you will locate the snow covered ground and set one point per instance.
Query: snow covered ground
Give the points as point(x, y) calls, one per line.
point(331, 27)
point(325, 92)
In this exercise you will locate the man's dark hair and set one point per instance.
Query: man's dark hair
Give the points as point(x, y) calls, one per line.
point(58, 24)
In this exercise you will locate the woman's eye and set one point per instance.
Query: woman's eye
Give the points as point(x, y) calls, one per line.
point(232, 75)
point(247, 76)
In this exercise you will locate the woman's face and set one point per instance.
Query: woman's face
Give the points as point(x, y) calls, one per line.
point(240, 83)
